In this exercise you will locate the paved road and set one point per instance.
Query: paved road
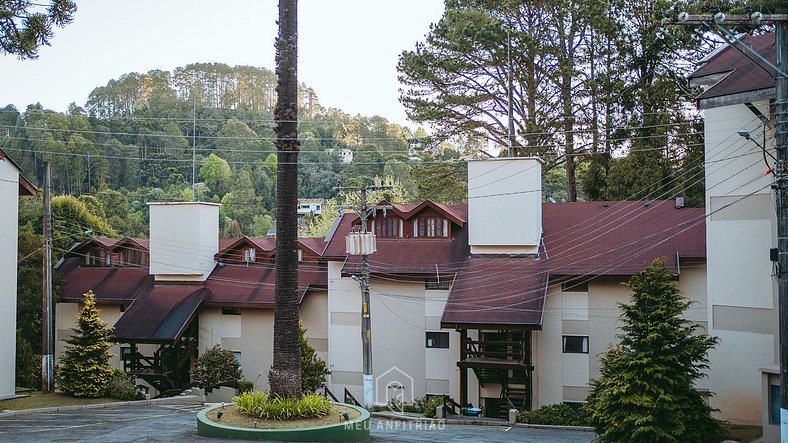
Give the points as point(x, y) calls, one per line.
point(172, 423)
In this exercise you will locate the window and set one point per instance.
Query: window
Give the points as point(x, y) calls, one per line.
point(388, 227)
point(574, 286)
point(125, 352)
point(133, 257)
point(438, 340)
point(575, 344)
point(249, 255)
point(300, 255)
point(237, 355)
point(92, 257)
point(231, 311)
point(431, 227)
point(436, 283)
point(107, 259)
point(774, 404)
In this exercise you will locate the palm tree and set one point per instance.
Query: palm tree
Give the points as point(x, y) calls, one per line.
point(285, 374)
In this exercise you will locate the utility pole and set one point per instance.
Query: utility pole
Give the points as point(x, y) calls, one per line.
point(47, 336)
point(510, 93)
point(780, 20)
point(363, 244)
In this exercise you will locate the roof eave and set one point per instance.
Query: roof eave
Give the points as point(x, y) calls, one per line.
point(735, 99)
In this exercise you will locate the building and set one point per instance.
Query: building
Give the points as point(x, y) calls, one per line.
point(12, 186)
point(503, 302)
point(312, 206)
point(741, 228)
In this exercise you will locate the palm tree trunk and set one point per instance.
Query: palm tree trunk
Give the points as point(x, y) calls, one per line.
point(285, 376)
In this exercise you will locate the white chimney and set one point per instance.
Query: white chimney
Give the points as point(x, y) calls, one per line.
point(184, 237)
point(505, 205)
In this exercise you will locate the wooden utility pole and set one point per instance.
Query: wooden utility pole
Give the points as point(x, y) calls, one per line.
point(363, 244)
point(716, 22)
point(47, 336)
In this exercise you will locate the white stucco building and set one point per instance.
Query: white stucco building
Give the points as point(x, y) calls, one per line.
point(12, 186)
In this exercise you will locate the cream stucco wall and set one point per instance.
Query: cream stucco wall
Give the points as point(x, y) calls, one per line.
point(741, 293)
point(9, 217)
point(401, 312)
point(561, 377)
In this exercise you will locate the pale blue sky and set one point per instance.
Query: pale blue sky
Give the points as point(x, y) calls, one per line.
point(348, 49)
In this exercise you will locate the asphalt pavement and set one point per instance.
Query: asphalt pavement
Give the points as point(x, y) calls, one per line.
point(177, 422)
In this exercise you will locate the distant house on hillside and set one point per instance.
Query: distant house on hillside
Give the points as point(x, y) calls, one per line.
point(312, 206)
point(503, 302)
point(12, 186)
point(737, 103)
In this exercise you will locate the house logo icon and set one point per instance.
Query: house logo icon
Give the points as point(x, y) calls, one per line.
point(394, 388)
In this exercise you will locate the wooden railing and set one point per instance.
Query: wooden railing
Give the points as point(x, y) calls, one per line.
point(349, 399)
point(500, 350)
point(451, 407)
point(328, 394)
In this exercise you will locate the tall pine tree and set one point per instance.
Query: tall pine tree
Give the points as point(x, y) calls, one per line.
point(646, 391)
point(84, 366)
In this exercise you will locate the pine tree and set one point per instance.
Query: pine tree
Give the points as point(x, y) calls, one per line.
point(646, 390)
point(313, 368)
point(84, 366)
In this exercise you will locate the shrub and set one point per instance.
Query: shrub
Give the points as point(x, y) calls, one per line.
point(84, 367)
point(557, 415)
point(262, 405)
point(121, 386)
point(427, 405)
point(28, 364)
point(245, 385)
point(313, 369)
point(216, 365)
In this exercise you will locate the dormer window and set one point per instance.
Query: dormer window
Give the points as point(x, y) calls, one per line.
point(388, 227)
point(132, 257)
point(430, 227)
point(93, 257)
point(249, 255)
point(300, 255)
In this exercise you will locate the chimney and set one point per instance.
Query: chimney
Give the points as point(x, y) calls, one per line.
point(184, 237)
point(505, 205)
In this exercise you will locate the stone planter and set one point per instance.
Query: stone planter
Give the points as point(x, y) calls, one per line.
point(353, 430)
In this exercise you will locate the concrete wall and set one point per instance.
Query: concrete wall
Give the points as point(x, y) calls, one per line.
point(740, 230)
point(401, 312)
point(510, 186)
point(9, 220)
point(184, 237)
point(564, 377)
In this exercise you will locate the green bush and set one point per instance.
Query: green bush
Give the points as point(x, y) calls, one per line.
point(245, 385)
point(262, 405)
point(28, 364)
point(121, 386)
point(557, 415)
point(427, 405)
point(216, 365)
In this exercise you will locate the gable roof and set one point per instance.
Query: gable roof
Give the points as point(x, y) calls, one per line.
point(732, 77)
point(161, 314)
point(25, 187)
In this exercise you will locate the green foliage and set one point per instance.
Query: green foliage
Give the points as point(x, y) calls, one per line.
point(245, 385)
point(321, 224)
point(646, 389)
point(28, 26)
point(557, 415)
point(313, 369)
point(121, 386)
point(216, 365)
point(269, 407)
point(442, 182)
point(71, 221)
point(84, 367)
point(28, 364)
point(428, 406)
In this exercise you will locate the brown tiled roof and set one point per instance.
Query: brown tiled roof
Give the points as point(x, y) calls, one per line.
point(109, 284)
point(160, 314)
point(584, 240)
point(253, 286)
point(743, 75)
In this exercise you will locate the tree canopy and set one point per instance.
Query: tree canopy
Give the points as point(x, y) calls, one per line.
point(26, 26)
point(646, 391)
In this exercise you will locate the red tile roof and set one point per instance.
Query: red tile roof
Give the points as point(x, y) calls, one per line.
point(253, 286)
point(109, 284)
point(743, 75)
point(583, 240)
point(160, 314)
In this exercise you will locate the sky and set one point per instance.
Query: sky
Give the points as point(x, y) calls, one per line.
point(348, 49)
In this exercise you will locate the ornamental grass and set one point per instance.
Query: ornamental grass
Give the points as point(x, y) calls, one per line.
point(263, 405)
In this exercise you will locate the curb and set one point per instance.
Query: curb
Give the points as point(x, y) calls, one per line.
point(463, 422)
point(184, 399)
